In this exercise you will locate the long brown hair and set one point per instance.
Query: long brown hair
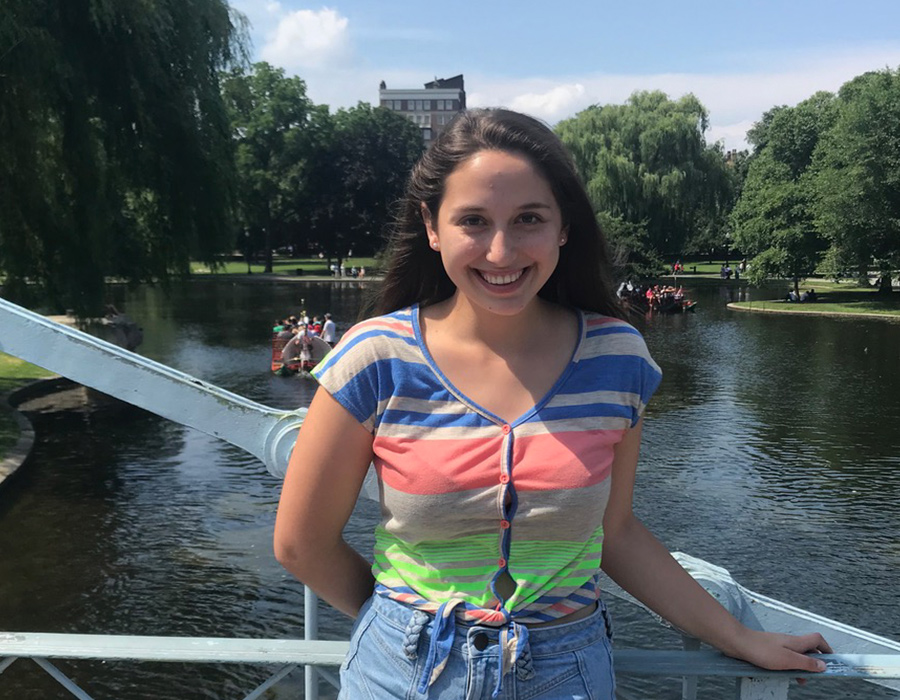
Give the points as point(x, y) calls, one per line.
point(415, 273)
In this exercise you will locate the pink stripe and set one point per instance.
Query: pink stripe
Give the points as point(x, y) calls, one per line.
point(402, 327)
point(438, 466)
point(601, 321)
point(561, 608)
point(567, 460)
point(488, 617)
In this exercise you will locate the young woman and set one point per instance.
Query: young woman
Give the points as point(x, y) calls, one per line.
point(499, 394)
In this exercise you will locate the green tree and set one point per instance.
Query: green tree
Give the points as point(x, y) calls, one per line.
point(773, 219)
point(361, 175)
point(857, 178)
point(275, 127)
point(114, 145)
point(647, 164)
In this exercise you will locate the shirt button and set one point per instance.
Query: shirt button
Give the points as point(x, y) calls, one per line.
point(504, 524)
point(501, 562)
point(506, 429)
point(504, 478)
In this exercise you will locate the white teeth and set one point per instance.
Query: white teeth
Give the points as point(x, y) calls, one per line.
point(502, 279)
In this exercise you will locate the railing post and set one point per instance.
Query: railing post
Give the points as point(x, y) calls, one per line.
point(689, 683)
point(762, 688)
point(310, 633)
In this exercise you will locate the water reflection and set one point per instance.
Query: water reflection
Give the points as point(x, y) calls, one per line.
point(771, 449)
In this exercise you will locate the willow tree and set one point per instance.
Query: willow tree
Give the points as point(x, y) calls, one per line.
point(115, 158)
point(647, 164)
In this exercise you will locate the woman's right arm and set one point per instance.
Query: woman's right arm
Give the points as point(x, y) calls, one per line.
point(324, 476)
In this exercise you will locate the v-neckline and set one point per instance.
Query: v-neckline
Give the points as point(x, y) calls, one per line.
point(474, 405)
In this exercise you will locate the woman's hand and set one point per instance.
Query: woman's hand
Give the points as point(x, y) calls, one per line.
point(780, 652)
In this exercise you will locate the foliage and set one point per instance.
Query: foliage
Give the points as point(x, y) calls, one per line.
point(114, 144)
point(308, 179)
point(857, 178)
point(773, 219)
point(361, 173)
point(647, 163)
point(275, 127)
point(629, 244)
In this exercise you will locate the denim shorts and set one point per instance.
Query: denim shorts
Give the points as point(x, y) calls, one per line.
point(389, 649)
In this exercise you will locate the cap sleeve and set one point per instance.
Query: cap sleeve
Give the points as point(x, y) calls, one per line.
point(650, 376)
point(350, 374)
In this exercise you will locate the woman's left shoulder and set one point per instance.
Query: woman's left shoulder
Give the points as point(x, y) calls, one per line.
point(597, 324)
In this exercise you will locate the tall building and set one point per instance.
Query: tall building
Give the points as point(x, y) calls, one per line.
point(430, 108)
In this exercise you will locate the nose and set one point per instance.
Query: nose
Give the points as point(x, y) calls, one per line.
point(501, 247)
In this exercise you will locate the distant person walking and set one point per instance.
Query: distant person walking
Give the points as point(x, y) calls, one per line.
point(329, 331)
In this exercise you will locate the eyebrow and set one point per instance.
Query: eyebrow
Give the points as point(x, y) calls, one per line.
point(529, 205)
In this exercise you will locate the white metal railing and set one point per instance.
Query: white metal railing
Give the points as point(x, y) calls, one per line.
point(751, 683)
point(269, 434)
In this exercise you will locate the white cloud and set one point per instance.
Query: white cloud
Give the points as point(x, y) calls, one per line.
point(553, 104)
point(308, 39)
point(318, 46)
point(731, 135)
point(734, 100)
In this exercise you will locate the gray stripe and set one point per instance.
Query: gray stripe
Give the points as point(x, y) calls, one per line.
point(541, 514)
point(616, 344)
point(418, 518)
point(566, 425)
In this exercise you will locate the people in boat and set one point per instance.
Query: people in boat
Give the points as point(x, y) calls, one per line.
point(286, 332)
point(298, 350)
point(315, 327)
point(501, 478)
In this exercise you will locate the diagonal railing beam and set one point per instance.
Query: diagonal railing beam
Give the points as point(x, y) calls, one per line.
point(62, 679)
point(264, 432)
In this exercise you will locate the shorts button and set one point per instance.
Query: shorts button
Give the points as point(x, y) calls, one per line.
point(504, 478)
point(506, 429)
point(504, 524)
point(480, 641)
point(501, 562)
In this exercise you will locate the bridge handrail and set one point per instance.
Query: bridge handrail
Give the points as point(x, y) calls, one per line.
point(647, 662)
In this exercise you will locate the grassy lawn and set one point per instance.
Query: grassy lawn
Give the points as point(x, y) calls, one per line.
point(13, 374)
point(844, 298)
point(285, 266)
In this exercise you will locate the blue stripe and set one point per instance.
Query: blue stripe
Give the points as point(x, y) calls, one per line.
point(434, 420)
point(612, 330)
point(334, 357)
point(591, 410)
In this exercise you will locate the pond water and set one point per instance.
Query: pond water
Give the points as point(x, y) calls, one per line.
point(772, 449)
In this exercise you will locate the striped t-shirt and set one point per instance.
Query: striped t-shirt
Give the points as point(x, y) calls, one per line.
point(466, 496)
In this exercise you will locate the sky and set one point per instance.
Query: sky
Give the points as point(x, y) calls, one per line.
point(553, 59)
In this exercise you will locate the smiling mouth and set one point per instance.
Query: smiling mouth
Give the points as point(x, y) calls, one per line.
point(501, 280)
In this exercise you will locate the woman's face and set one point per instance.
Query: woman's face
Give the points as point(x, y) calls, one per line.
point(498, 230)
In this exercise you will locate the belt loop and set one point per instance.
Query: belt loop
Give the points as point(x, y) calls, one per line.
point(525, 665)
point(413, 632)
